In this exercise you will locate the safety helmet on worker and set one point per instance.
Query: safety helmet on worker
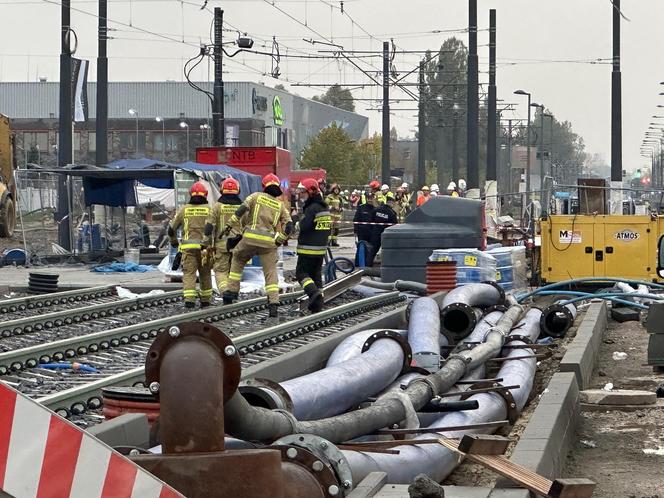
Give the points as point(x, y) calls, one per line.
point(384, 188)
point(451, 186)
point(271, 179)
point(230, 186)
point(425, 188)
point(310, 186)
point(404, 185)
point(375, 185)
point(462, 184)
point(435, 187)
point(198, 188)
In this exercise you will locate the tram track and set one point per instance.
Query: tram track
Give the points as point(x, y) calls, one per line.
point(33, 305)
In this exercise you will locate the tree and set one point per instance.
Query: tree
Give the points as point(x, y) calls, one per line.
point(337, 97)
point(334, 151)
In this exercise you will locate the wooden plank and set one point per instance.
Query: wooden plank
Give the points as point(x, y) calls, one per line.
point(483, 444)
point(572, 488)
point(369, 486)
point(430, 430)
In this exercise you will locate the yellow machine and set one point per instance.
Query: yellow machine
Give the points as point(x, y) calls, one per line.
point(7, 182)
point(576, 246)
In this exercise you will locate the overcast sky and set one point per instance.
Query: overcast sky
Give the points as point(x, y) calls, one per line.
point(537, 42)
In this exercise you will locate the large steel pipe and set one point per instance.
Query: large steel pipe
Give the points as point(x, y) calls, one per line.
point(352, 346)
point(437, 461)
point(424, 334)
point(461, 307)
point(557, 319)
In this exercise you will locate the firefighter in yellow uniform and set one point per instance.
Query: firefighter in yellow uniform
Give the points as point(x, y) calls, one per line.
point(266, 225)
point(192, 218)
point(220, 216)
point(335, 203)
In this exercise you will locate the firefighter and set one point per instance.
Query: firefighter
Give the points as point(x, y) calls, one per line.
point(266, 224)
point(315, 226)
point(401, 204)
point(220, 216)
point(192, 217)
point(374, 190)
point(382, 196)
point(383, 217)
point(334, 201)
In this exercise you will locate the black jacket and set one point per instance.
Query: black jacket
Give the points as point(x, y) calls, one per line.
point(363, 214)
point(315, 227)
point(382, 214)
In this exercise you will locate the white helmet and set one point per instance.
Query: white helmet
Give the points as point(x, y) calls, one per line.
point(435, 187)
point(384, 188)
point(462, 184)
point(404, 185)
point(451, 186)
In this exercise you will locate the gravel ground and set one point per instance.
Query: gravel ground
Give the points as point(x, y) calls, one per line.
point(610, 445)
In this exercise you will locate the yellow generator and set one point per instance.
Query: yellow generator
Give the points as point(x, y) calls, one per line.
point(577, 246)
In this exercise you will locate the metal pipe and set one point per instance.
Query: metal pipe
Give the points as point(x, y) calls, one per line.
point(460, 314)
point(424, 334)
point(557, 319)
point(352, 346)
point(399, 285)
point(246, 422)
point(436, 461)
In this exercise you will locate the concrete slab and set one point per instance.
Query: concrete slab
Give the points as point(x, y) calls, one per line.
point(617, 397)
point(401, 491)
point(588, 407)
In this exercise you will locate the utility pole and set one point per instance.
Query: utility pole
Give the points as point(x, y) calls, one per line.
point(509, 160)
point(218, 115)
point(472, 145)
point(101, 116)
point(455, 147)
point(65, 125)
point(385, 167)
point(616, 116)
point(491, 173)
point(421, 132)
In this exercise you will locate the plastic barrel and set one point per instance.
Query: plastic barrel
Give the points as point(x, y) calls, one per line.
point(441, 276)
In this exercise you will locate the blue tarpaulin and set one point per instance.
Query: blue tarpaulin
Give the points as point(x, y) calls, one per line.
point(103, 192)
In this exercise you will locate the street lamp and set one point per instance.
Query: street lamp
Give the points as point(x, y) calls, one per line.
point(134, 112)
point(455, 143)
point(204, 127)
point(541, 147)
point(522, 92)
point(159, 119)
point(185, 125)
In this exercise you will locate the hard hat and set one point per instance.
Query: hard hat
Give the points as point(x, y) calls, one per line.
point(384, 187)
point(374, 185)
point(230, 186)
point(451, 186)
point(404, 185)
point(389, 196)
point(271, 179)
point(462, 184)
point(435, 187)
point(425, 189)
point(309, 185)
point(198, 188)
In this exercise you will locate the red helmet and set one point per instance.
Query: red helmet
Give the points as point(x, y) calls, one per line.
point(230, 186)
point(310, 185)
point(271, 179)
point(198, 188)
point(375, 185)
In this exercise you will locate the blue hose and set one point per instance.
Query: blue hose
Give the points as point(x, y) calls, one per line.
point(611, 296)
point(588, 280)
point(65, 366)
point(332, 266)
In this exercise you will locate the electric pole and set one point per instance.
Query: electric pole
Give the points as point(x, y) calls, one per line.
point(385, 166)
point(65, 124)
point(616, 115)
point(421, 132)
point(101, 116)
point(218, 114)
point(472, 145)
point(491, 173)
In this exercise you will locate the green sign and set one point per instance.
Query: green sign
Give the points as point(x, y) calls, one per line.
point(277, 111)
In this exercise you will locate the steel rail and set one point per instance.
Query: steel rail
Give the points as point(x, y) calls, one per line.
point(30, 357)
point(55, 319)
point(88, 394)
point(22, 303)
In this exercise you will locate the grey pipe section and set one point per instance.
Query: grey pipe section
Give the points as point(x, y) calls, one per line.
point(557, 319)
point(398, 285)
point(480, 295)
point(437, 461)
point(335, 389)
point(424, 334)
point(461, 306)
point(252, 423)
point(352, 346)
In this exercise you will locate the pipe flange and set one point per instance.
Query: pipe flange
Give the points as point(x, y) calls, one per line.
point(522, 338)
point(471, 313)
point(430, 381)
point(554, 309)
point(498, 288)
point(321, 472)
point(402, 341)
point(291, 419)
point(506, 394)
point(496, 307)
point(271, 393)
point(418, 370)
point(326, 452)
point(189, 331)
point(465, 359)
point(409, 306)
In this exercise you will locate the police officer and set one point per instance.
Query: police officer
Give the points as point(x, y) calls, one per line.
point(335, 202)
point(383, 217)
point(220, 216)
point(266, 224)
point(192, 217)
point(363, 216)
point(315, 227)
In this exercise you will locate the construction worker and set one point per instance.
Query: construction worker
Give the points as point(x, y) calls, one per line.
point(461, 189)
point(382, 196)
point(383, 217)
point(192, 217)
point(266, 224)
point(435, 190)
point(220, 216)
point(452, 190)
point(335, 202)
point(407, 193)
point(362, 228)
point(401, 204)
point(315, 226)
point(426, 195)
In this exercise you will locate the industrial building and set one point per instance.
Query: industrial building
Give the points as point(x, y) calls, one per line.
point(168, 120)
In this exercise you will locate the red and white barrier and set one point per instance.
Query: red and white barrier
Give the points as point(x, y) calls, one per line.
point(44, 456)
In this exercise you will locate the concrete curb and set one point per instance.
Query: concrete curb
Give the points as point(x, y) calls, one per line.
point(582, 353)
